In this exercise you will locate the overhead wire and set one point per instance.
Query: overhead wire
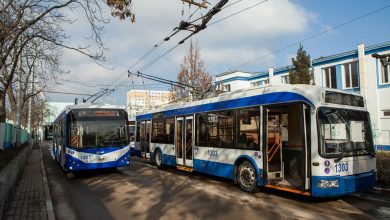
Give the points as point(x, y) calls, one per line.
point(313, 36)
point(238, 12)
point(66, 93)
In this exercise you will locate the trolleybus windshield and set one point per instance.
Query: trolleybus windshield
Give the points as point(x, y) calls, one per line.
point(98, 131)
point(344, 133)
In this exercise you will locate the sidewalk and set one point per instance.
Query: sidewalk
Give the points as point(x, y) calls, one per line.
point(31, 198)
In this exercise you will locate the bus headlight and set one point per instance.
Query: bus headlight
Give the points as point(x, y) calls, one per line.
point(328, 183)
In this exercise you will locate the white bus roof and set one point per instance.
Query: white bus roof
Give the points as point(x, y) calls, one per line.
point(314, 95)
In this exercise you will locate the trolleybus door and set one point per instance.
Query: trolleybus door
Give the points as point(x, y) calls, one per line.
point(287, 134)
point(273, 146)
point(184, 129)
point(145, 139)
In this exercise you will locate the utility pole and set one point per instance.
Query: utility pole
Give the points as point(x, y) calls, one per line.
point(30, 126)
point(200, 5)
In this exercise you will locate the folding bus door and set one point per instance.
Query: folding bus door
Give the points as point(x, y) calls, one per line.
point(184, 141)
point(287, 133)
point(145, 139)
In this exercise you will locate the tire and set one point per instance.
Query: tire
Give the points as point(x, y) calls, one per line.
point(246, 177)
point(158, 159)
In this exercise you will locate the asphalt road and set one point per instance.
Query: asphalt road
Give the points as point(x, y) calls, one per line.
point(141, 191)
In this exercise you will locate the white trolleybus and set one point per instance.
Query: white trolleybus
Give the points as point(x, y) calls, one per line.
point(303, 139)
point(91, 136)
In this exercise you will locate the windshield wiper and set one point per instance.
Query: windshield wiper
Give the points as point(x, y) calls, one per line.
point(372, 154)
point(340, 156)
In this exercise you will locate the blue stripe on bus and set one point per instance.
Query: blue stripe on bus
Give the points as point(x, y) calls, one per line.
point(77, 164)
point(347, 184)
point(135, 152)
point(264, 99)
point(214, 168)
point(168, 160)
point(383, 147)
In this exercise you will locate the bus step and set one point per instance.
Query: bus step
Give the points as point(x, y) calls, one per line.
point(187, 169)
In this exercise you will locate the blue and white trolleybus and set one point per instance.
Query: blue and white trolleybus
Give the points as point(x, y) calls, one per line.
point(91, 136)
point(303, 139)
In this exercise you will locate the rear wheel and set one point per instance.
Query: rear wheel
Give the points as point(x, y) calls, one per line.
point(158, 159)
point(246, 177)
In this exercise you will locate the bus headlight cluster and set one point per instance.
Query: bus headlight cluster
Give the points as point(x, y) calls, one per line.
point(328, 183)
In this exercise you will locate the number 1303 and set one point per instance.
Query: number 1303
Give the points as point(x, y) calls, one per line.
point(341, 167)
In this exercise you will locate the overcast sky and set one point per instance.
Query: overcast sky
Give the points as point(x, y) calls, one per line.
point(253, 35)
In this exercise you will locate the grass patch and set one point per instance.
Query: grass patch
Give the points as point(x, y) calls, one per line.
point(383, 166)
point(8, 155)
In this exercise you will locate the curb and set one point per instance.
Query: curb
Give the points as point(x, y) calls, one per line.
point(49, 203)
point(381, 191)
point(9, 175)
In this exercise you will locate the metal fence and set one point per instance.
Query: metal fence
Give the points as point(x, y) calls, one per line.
point(8, 136)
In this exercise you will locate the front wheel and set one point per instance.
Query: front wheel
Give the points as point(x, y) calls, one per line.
point(158, 159)
point(246, 177)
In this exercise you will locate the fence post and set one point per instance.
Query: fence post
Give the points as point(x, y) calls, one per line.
point(2, 136)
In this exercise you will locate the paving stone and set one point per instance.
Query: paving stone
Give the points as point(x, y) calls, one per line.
point(28, 200)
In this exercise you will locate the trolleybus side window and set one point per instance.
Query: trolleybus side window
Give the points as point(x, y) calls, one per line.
point(217, 127)
point(248, 128)
point(201, 130)
point(170, 130)
point(158, 131)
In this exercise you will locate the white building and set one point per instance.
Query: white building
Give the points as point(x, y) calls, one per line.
point(364, 70)
point(140, 100)
point(52, 110)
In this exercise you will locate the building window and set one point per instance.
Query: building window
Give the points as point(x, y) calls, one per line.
point(286, 79)
point(351, 75)
point(386, 113)
point(330, 77)
point(385, 78)
point(263, 82)
point(255, 84)
point(259, 83)
point(226, 88)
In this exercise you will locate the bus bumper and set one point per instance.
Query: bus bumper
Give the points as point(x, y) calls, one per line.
point(74, 164)
point(342, 185)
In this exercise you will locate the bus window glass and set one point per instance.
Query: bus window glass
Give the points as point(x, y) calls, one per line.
point(344, 133)
point(132, 133)
point(248, 128)
point(158, 131)
point(169, 130)
point(201, 130)
point(86, 134)
point(221, 129)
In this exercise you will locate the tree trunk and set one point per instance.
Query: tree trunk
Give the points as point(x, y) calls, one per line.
point(3, 114)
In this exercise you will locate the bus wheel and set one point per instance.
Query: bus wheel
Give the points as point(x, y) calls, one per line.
point(246, 177)
point(158, 159)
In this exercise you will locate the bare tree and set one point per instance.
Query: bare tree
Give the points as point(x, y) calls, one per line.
point(193, 74)
point(22, 21)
